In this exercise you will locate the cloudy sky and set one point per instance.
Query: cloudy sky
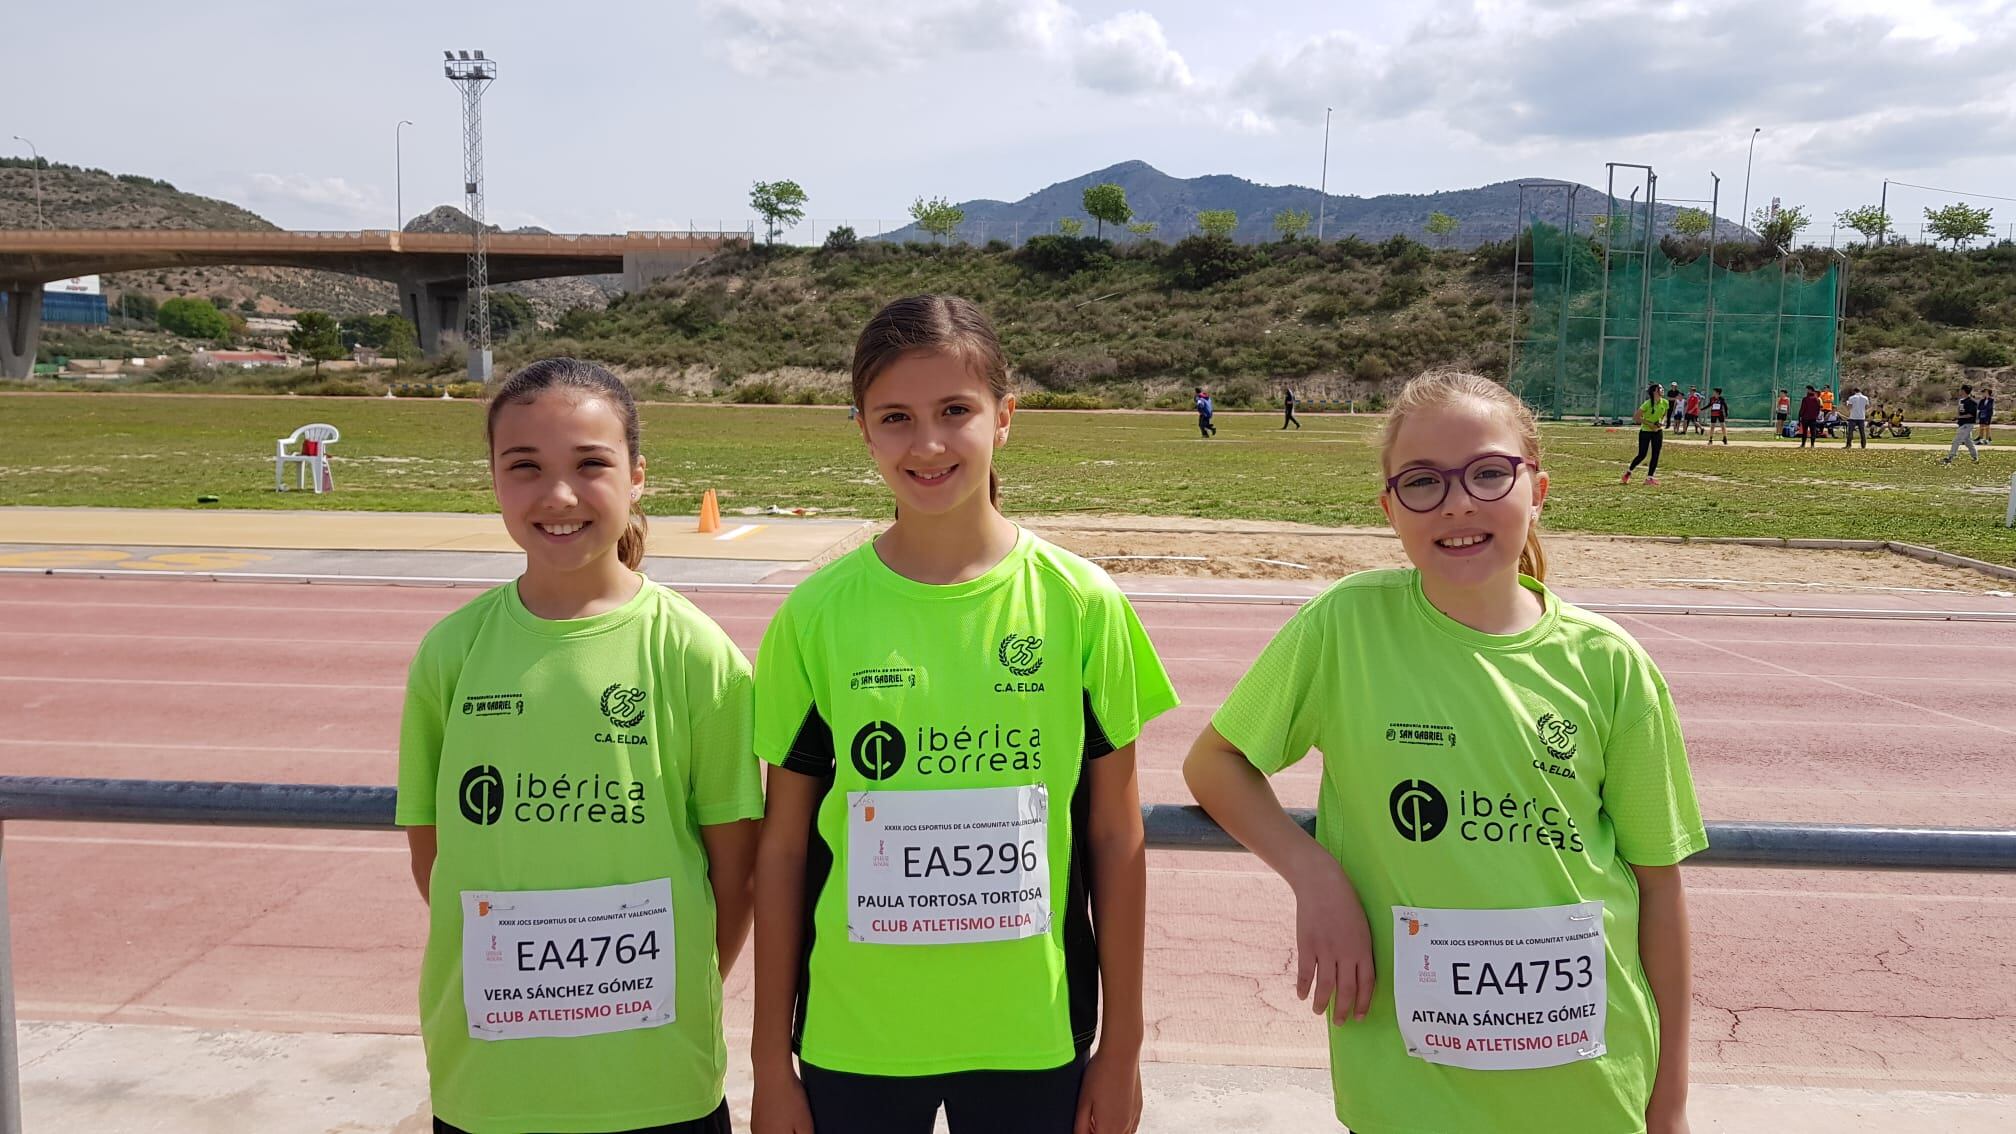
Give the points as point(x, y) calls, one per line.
point(612, 116)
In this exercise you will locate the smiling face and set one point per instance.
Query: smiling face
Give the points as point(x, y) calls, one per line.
point(1465, 542)
point(932, 426)
point(564, 477)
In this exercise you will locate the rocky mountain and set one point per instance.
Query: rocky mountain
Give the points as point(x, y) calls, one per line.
point(548, 297)
point(1486, 213)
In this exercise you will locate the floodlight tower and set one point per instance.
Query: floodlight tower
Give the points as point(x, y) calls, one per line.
point(473, 76)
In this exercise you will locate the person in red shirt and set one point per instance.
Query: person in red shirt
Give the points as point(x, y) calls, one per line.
point(1693, 421)
point(1809, 418)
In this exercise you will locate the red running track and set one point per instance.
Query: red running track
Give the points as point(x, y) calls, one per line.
point(1818, 978)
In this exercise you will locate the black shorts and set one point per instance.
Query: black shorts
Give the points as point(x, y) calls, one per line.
point(975, 1102)
point(1715, 418)
point(1693, 417)
point(716, 1123)
point(1782, 415)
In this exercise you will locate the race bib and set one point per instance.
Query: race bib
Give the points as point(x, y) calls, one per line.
point(948, 867)
point(1500, 990)
point(567, 962)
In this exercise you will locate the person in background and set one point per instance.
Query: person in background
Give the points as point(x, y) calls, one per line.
point(1969, 416)
point(1205, 428)
point(1672, 407)
point(1651, 420)
point(1858, 418)
point(1784, 410)
point(1288, 407)
point(1718, 416)
point(1693, 410)
point(1809, 418)
point(1985, 417)
point(1827, 416)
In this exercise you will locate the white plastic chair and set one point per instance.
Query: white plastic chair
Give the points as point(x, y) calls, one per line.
point(312, 460)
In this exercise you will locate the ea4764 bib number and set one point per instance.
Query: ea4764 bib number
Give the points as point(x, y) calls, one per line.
point(1534, 977)
point(586, 952)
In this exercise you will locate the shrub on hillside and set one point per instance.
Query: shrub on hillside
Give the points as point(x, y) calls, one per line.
point(193, 319)
point(1064, 255)
point(1953, 306)
point(1975, 350)
point(1054, 399)
point(1199, 261)
point(841, 239)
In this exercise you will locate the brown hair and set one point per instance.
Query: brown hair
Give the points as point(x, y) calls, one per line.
point(1434, 391)
point(924, 323)
point(586, 380)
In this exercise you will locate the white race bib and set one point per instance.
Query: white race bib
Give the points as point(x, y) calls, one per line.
point(567, 962)
point(1500, 990)
point(948, 867)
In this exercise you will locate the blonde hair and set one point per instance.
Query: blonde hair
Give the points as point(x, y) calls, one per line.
point(584, 379)
point(1436, 391)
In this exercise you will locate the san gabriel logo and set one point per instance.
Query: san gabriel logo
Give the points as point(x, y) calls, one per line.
point(878, 750)
point(482, 796)
point(624, 707)
point(1419, 811)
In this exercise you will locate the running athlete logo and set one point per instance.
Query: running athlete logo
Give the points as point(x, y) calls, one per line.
point(624, 707)
point(878, 750)
point(482, 796)
point(1558, 734)
point(1419, 811)
point(1018, 653)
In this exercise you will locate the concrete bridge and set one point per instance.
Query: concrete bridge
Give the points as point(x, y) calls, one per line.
point(429, 269)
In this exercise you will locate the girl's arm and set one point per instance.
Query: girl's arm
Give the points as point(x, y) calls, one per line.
point(789, 810)
point(731, 870)
point(1662, 947)
point(1333, 943)
point(1110, 1099)
point(421, 845)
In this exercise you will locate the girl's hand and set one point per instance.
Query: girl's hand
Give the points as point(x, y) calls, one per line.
point(1334, 966)
point(779, 1106)
point(1109, 1100)
point(1660, 1120)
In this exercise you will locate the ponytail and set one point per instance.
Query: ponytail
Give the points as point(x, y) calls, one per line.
point(1532, 559)
point(630, 545)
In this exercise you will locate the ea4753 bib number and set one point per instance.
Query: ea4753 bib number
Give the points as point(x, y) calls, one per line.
point(1537, 976)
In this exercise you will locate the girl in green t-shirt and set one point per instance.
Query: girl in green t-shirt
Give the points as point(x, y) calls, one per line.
point(1651, 419)
point(1490, 913)
point(951, 888)
point(581, 800)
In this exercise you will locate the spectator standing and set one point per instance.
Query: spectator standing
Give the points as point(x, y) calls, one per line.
point(1809, 418)
point(1718, 416)
point(1985, 412)
point(1784, 410)
point(1693, 409)
point(1827, 416)
point(1968, 417)
point(1858, 418)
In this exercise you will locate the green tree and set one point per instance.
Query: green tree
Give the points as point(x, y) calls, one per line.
point(1107, 204)
point(249, 305)
point(1958, 221)
point(1692, 223)
point(193, 319)
point(1291, 223)
point(315, 335)
point(939, 217)
point(1441, 225)
point(779, 203)
point(1869, 220)
point(138, 306)
point(841, 238)
point(510, 313)
point(1071, 226)
point(390, 334)
point(1218, 222)
point(1777, 230)
point(1143, 228)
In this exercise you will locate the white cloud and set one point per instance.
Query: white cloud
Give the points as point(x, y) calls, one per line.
point(1130, 55)
point(780, 37)
point(328, 200)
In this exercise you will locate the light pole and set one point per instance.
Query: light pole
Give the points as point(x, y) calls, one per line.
point(398, 177)
point(1745, 222)
point(1323, 186)
point(38, 177)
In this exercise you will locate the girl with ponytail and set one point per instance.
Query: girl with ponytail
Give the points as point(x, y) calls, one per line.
point(576, 751)
point(1500, 769)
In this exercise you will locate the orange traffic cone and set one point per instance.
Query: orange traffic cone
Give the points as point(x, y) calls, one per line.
point(710, 513)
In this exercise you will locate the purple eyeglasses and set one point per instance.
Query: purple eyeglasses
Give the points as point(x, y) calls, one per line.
point(1485, 478)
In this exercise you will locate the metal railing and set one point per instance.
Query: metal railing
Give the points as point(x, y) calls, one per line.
point(1169, 827)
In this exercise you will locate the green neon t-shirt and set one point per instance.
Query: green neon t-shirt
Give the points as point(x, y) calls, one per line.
point(1652, 416)
point(889, 690)
point(1468, 771)
point(563, 755)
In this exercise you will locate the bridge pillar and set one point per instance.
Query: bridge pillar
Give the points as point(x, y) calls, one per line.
point(438, 309)
point(20, 330)
point(642, 269)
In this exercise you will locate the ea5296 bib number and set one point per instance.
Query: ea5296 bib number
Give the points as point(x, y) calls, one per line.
point(1498, 990)
point(946, 867)
point(568, 962)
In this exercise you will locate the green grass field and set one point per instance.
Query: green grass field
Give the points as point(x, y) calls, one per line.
point(418, 455)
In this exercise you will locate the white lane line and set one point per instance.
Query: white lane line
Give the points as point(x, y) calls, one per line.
point(127, 681)
point(201, 844)
point(139, 746)
point(1259, 870)
point(232, 607)
point(292, 1021)
point(46, 635)
point(738, 533)
point(1669, 671)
